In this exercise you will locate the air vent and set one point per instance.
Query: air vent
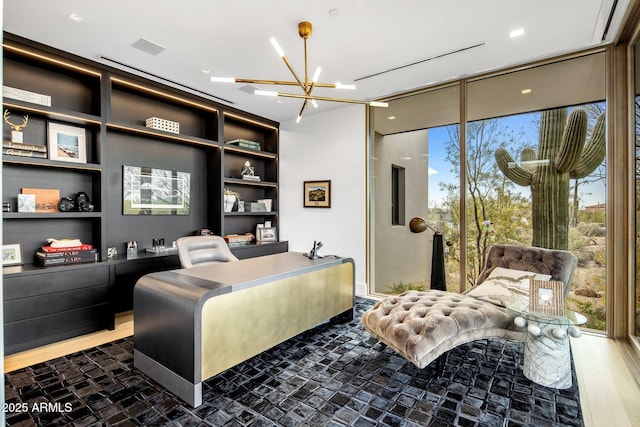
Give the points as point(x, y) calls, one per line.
point(148, 46)
point(156, 77)
point(421, 61)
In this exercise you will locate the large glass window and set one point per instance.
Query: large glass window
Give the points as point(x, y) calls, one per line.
point(523, 184)
point(536, 170)
point(410, 138)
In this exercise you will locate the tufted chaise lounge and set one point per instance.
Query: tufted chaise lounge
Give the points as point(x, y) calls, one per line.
point(423, 325)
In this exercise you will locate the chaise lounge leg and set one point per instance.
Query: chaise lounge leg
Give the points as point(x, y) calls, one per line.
point(440, 362)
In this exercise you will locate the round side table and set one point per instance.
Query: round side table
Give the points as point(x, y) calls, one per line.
point(547, 354)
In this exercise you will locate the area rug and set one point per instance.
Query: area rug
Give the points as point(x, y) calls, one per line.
point(332, 375)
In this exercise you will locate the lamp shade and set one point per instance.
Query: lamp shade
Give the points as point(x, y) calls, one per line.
point(417, 225)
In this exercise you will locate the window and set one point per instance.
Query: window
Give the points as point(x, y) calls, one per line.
point(472, 197)
point(397, 195)
point(409, 142)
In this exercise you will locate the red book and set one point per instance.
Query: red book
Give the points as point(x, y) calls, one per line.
point(82, 247)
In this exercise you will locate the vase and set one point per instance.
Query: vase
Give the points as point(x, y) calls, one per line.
point(229, 201)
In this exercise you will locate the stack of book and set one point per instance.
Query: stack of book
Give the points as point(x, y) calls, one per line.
point(24, 150)
point(245, 143)
point(56, 253)
point(238, 239)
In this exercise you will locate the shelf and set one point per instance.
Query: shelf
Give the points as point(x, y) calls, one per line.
point(236, 213)
point(236, 181)
point(52, 113)
point(29, 268)
point(249, 152)
point(31, 161)
point(145, 131)
point(113, 106)
point(54, 215)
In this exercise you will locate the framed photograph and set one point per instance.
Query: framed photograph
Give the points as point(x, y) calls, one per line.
point(26, 202)
point(266, 234)
point(151, 191)
point(12, 254)
point(45, 199)
point(546, 297)
point(317, 194)
point(67, 143)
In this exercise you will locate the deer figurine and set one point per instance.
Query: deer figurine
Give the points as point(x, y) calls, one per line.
point(16, 132)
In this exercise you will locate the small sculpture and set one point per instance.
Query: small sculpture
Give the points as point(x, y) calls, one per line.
point(16, 133)
point(247, 170)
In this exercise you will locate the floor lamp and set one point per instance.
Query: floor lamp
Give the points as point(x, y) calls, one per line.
point(438, 279)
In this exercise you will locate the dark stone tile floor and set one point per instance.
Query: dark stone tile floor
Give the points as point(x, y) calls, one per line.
point(332, 375)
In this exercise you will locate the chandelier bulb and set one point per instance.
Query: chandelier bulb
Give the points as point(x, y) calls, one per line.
point(276, 46)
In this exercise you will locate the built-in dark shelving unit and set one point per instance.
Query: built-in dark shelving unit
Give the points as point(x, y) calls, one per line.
point(112, 106)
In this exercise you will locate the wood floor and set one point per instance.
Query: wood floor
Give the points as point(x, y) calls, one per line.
point(609, 393)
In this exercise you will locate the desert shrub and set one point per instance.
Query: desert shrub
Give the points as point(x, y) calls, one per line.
point(591, 229)
point(577, 241)
point(600, 256)
point(595, 314)
point(398, 288)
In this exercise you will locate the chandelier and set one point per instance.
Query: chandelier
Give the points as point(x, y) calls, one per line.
point(307, 86)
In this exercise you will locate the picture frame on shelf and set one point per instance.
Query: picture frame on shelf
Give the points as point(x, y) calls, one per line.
point(67, 143)
point(546, 297)
point(317, 194)
point(26, 203)
point(12, 254)
point(46, 199)
point(266, 234)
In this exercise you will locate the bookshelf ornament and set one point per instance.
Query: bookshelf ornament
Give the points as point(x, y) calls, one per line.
point(16, 132)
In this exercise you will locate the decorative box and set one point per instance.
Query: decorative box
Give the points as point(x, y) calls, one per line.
point(256, 207)
point(162, 124)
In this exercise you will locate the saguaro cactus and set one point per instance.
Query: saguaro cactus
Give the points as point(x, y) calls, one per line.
point(562, 155)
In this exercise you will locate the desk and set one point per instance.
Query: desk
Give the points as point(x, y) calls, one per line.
point(547, 354)
point(191, 324)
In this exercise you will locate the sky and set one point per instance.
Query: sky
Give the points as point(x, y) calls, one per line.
point(440, 169)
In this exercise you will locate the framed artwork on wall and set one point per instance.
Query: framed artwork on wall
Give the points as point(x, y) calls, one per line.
point(67, 143)
point(317, 194)
point(152, 191)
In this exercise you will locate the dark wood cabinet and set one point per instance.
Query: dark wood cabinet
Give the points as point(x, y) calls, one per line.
point(112, 106)
point(42, 306)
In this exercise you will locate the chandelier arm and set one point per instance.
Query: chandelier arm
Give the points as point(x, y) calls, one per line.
point(323, 98)
point(283, 83)
point(286, 61)
point(306, 67)
point(311, 86)
point(304, 107)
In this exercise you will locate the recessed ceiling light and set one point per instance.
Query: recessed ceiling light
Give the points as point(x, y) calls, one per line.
point(76, 17)
point(526, 91)
point(516, 33)
point(391, 117)
point(206, 70)
point(334, 13)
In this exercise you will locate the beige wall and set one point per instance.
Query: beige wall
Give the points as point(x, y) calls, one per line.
point(399, 256)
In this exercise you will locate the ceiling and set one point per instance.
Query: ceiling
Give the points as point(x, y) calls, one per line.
point(384, 47)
